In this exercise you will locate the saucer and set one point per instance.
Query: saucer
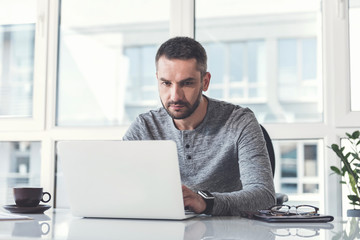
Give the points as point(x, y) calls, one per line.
point(16, 209)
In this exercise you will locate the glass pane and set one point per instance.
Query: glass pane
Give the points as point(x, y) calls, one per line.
point(288, 160)
point(297, 163)
point(289, 188)
point(141, 85)
point(216, 59)
point(271, 48)
point(256, 61)
point(17, 43)
point(354, 30)
point(236, 61)
point(106, 73)
point(287, 61)
point(310, 160)
point(310, 188)
point(19, 167)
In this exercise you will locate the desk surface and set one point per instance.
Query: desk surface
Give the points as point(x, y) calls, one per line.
point(60, 224)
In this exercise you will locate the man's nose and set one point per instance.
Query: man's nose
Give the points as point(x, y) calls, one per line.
point(176, 93)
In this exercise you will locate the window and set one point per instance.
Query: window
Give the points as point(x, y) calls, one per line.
point(354, 31)
point(19, 166)
point(297, 170)
point(297, 70)
point(106, 72)
point(258, 59)
point(16, 70)
point(298, 84)
point(141, 90)
point(239, 73)
point(22, 62)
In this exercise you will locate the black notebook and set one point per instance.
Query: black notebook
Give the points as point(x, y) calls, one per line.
point(288, 218)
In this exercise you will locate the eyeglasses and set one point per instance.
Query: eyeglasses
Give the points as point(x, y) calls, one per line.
point(283, 210)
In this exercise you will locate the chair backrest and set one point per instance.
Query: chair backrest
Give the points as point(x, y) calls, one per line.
point(280, 197)
point(270, 148)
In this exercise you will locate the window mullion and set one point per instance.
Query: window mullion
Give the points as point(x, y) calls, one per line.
point(182, 18)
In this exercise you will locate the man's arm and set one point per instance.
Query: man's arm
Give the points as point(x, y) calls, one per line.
point(255, 173)
point(256, 176)
point(137, 131)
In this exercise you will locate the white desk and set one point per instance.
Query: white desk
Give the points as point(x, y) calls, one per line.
point(60, 224)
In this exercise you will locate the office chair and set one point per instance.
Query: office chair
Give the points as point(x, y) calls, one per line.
point(280, 197)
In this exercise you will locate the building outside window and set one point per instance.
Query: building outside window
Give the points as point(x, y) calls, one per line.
point(238, 74)
point(111, 59)
point(16, 69)
point(297, 173)
point(141, 88)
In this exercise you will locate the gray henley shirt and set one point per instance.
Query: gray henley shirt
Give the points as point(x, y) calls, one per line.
point(226, 155)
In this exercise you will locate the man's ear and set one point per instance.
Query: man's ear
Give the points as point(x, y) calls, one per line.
point(206, 81)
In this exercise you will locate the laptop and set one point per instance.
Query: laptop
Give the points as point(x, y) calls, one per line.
point(122, 179)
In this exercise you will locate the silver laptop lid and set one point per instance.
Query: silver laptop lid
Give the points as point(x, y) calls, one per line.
point(122, 179)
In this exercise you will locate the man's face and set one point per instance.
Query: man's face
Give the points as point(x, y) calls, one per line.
point(180, 86)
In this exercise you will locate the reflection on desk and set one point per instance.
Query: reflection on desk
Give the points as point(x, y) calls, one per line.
point(199, 228)
point(37, 227)
point(61, 225)
point(196, 228)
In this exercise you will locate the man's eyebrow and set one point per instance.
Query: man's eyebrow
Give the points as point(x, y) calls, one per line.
point(188, 79)
point(181, 81)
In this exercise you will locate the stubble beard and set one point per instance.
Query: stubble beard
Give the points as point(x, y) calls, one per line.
point(190, 109)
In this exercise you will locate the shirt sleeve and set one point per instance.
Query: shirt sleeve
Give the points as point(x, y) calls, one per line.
point(138, 130)
point(255, 173)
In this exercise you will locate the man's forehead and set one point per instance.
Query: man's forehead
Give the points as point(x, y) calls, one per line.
point(164, 59)
point(177, 65)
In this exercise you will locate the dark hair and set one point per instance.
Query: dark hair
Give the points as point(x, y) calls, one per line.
point(183, 48)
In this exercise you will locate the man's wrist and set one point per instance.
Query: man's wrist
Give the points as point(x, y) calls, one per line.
point(209, 200)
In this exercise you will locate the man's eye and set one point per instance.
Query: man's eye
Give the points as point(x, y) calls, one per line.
point(166, 83)
point(188, 83)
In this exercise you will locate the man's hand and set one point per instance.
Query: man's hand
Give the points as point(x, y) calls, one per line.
point(193, 200)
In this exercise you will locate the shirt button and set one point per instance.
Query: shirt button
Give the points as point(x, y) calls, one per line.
point(187, 145)
point(188, 157)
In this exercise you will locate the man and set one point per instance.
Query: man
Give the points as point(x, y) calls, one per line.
point(223, 159)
